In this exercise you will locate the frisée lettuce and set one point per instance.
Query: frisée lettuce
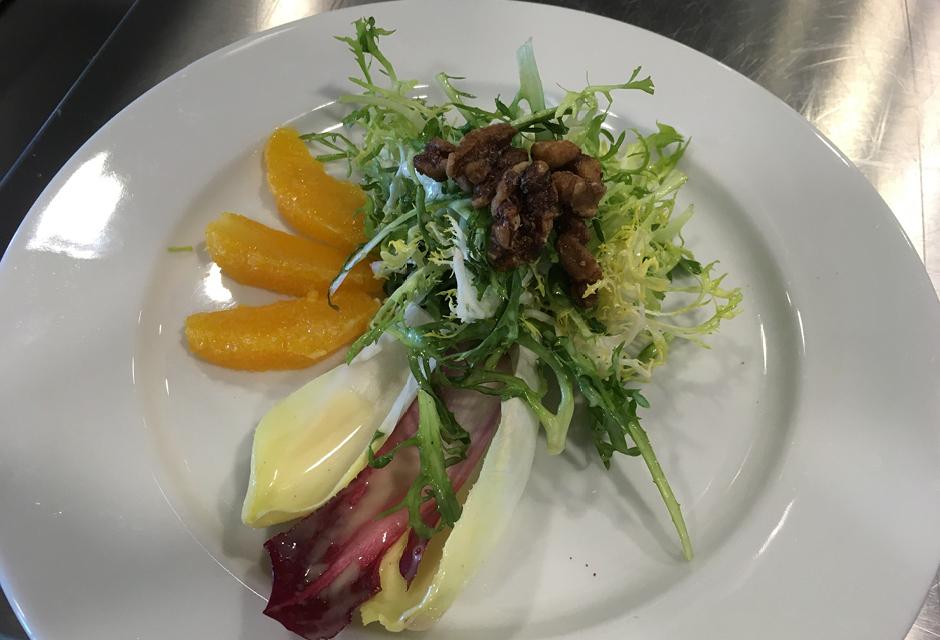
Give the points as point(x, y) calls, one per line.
point(430, 244)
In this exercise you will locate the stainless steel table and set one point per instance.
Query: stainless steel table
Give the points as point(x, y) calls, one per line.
point(865, 72)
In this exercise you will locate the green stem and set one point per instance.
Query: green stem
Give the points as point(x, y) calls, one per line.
point(539, 116)
point(330, 157)
point(360, 254)
point(638, 434)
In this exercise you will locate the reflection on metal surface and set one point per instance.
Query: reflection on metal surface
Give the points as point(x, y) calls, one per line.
point(927, 625)
point(849, 68)
point(860, 98)
point(856, 105)
point(274, 13)
point(75, 221)
point(925, 25)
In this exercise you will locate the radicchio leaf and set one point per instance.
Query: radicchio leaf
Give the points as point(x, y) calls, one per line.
point(328, 564)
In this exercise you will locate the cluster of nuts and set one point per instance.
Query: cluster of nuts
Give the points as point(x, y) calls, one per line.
point(557, 188)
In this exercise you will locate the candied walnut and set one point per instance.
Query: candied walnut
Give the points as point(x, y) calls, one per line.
point(506, 209)
point(476, 158)
point(578, 262)
point(574, 227)
point(588, 168)
point(477, 171)
point(577, 194)
point(432, 162)
point(484, 191)
point(540, 198)
point(524, 209)
point(555, 153)
point(580, 186)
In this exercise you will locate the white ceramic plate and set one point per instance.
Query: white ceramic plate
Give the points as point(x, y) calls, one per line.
point(803, 446)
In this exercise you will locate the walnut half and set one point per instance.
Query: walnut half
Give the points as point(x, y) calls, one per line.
point(576, 259)
point(432, 162)
point(524, 209)
point(481, 158)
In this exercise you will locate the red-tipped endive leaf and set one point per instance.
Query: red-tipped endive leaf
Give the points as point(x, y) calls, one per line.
point(327, 564)
point(417, 601)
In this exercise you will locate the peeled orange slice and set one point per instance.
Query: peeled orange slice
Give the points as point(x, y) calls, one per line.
point(259, 256)
point(292, 334)
point(310, 200)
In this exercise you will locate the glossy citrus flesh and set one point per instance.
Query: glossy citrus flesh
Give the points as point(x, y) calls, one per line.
point(311, 201)
point(257, 255)
point(290, 334)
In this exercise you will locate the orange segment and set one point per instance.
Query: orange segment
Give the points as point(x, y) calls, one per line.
point(254, 254)
point(285, 335)
point(313, 202)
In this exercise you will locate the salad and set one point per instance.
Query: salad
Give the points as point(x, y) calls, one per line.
point(531, 257)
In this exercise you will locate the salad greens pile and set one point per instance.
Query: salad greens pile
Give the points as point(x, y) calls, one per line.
point(430, 245)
